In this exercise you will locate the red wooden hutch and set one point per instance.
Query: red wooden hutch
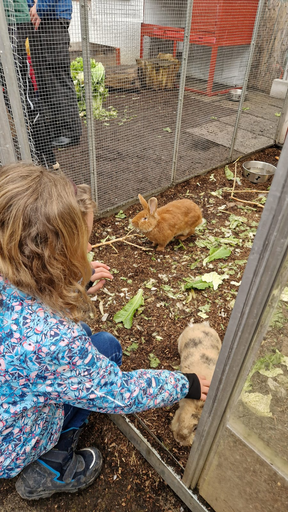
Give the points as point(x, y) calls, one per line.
point(215, 23)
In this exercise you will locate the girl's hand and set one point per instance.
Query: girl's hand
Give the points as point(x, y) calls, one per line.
point(205, 385)
point(99, 277)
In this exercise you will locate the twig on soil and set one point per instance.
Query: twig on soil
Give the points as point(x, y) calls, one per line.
point(233, 190)
point(247, 202)
point(121, 239)
point(250, 190)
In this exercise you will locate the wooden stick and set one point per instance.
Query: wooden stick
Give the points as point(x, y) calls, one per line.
point(122, 239)
point(251, 190)
point(234, 181)
point(248, 202)
point(139, 246)
point(109, 242)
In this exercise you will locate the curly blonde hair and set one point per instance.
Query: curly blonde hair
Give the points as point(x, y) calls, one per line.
point(43, 238)
point(84, 199)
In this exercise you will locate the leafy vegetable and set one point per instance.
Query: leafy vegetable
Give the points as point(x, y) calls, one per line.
point(198, 283)
point(229, 174)
point(236, 220)
point(131, 348)
point(214, 241)
point(217, 193)
point(90, 256)
point(151, 283)
point(203, 310)
point(258, 403)
point(126, 314)
point(240, 262)
point(194, 265)
point(284, 295)
point(154, 361)
point(214, 278)
point(210, 280)
point(217, 253)
point(266, 363)
point(99, 91)
point(277, 320)
point(120, 215)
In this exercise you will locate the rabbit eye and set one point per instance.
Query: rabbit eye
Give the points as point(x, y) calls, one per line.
point(145, 218)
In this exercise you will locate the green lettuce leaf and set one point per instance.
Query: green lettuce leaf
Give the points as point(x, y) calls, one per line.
point(154, 361)
point(229, 174)
point(126, 314)
point(198, 283)
point(217, 253)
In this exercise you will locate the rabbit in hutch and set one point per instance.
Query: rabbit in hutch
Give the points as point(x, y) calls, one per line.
point(176, 219)
point(199, 346)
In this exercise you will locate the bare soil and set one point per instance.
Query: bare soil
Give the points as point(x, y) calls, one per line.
point(127, 481)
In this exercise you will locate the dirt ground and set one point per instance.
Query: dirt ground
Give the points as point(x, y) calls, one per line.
point(127, 481)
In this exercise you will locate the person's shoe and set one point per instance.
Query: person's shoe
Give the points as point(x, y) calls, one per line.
point(64, 142)
point(61, 142)
point(60, 471)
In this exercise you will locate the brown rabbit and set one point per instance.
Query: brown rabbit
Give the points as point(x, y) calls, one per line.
point(199, 346)
point(178, 218)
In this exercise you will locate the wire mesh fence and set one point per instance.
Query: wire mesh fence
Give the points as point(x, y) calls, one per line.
point(175, 89)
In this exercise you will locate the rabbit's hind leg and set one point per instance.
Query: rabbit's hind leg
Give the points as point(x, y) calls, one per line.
point(183, 237)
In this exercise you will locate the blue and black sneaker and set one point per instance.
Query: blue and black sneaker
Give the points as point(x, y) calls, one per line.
point(62, 469)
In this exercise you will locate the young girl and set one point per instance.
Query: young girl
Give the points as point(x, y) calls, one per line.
point(53, 371)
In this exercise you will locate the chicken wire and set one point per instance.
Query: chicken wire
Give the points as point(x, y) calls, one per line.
point(167, 111)
point(9, 103)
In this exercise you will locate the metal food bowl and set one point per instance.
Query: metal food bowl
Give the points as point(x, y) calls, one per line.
point(258, 172)
point(235, 94)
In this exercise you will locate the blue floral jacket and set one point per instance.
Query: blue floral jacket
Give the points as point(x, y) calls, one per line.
point(46, 361)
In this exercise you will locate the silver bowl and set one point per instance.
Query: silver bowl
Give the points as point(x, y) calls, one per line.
point(235, 94)
point(258, 172)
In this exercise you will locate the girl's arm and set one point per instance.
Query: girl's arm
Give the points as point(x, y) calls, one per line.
point(85, 378)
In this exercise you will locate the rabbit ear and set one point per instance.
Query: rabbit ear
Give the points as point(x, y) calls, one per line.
point(142, 201)
point(152, 204)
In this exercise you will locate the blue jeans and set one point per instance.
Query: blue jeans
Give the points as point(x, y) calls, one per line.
point(110, 347)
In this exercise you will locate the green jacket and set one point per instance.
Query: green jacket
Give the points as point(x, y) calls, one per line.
point(16, 10)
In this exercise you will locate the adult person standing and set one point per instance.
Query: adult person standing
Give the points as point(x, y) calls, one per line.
point(20, 28)
point(49, 48)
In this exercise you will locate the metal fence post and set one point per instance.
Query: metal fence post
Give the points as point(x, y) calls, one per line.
point(88, 96)
point(246, 77)
point(182, 87)
point(7, 153)
point(12, 87)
